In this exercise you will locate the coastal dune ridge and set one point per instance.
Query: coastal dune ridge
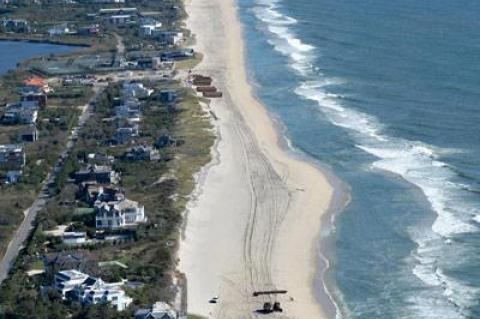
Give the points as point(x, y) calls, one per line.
point(254, 221)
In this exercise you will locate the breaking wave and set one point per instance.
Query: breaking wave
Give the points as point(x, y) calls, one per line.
point(416, 162)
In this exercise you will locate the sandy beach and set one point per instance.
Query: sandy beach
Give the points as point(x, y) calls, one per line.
point(255, 219)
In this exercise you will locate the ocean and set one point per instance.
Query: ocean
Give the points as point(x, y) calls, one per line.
point(387, 95)
point(13, 52)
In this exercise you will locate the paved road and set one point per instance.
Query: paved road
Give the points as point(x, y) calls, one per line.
point(23, 231)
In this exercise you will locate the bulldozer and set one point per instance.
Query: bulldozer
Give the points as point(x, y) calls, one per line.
point(267, 306)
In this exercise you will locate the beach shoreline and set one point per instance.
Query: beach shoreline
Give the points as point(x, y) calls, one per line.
point(260, 210)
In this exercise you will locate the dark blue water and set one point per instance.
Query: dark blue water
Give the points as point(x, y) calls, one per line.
point(13, 52)
point(388, 94)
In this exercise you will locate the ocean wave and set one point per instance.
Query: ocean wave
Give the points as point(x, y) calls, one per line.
point(417, 163)
point(456, 293)
point(284, 40)
point(414, 161)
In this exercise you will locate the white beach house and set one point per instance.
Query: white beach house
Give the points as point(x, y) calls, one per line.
point(75, 285)
point(117, 214)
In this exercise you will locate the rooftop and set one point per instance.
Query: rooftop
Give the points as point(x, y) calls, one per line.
point(35, 81)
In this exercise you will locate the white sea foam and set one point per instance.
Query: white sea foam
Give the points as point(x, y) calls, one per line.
point(416, 162)
point(284, 40)
point(456, 293)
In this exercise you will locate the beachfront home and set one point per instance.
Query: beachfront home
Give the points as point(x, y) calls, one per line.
point(102, 174)
point(66, 281)
point(158, 64)
point(93, 192)
point(149, 29)
point(165, 140)
point(142, 153)
point(81, 260)
point(168, 37)
point(12, 156)
point(177, 55)
point(159, 310)
point(75, 285)
point(117, 214)
point(95, 291)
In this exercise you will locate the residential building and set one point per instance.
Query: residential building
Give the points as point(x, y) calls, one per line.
point(95, 291)
point(142, 153)
point(37, 96)
point(158, 64)
point(130, 110)
point(75, 285)
point(24, 112)
point(126, 133)
point(74, 238)
point(118, 11)
point(38, 82)
point(93, 192)
point(177, 54)
point(168, 37)
point(159, 310)
point(121, 19)
point(81, 260)
point(109, 1)
point(100, 159)
point(117, 214)
point(93, 29)
point(12, 177)
point(15, 25)
point(12, 156)
point(165, 141)
point(136, 90)
point(102, 174)
point(66, 281)
point(149, 29)
point(30, 134)
point(167, 96)
point(59, 30)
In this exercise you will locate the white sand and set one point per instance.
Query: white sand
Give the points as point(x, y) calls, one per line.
point(255, 221)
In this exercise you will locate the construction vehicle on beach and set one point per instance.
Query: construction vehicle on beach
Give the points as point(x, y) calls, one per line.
point(268, 307)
